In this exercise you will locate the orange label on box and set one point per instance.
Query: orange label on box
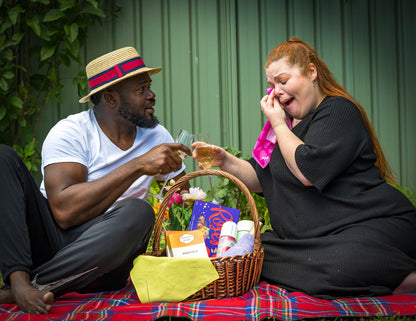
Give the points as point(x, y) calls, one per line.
point(185, 244)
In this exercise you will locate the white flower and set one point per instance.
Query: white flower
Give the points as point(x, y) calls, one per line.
point(194, 193)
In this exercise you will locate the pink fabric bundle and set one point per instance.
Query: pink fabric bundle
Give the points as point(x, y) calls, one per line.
point(267, 141)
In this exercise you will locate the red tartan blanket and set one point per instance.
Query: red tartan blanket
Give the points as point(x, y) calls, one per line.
point(262, 301)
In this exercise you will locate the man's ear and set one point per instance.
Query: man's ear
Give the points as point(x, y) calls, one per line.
point(111, 97)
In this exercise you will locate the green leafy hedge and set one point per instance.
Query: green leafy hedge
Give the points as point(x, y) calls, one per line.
point(36, 38)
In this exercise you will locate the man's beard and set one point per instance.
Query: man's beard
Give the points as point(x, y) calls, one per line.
point(139, 121)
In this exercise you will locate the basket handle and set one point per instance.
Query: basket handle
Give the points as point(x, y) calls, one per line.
point(182, 181)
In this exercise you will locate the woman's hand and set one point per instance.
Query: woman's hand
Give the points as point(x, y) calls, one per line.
point(272, 109)
point(288, 142)
point(219, 154)
point(229, 163)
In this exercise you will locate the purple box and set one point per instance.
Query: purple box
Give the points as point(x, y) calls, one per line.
point(210, 217)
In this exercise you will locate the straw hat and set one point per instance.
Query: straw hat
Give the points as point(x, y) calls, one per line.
point(114, 67)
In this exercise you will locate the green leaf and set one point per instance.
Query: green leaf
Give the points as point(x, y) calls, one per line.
point(74, 32)
point(28, 164)
point(8, 55)
point(34, 168)
point(47, 51)
point(65, 5)
point(73, 47)
point(51, 31)
point(94, 11)
point(4, 85)
point(15, 101)
point(34, 24)
point(53, 14)
point(22, 122)
point(59, 99)
point(44, 33)
point(2, 112)
point(8, 74)
point(16, 38)
point(52, 74)
point(2, 38)
point(65, 60)
point(29, 149)
point(14, 13)
point(67, 29)
point(71, 31)
point(94, 3)
point(6, 25)
point(20, 67)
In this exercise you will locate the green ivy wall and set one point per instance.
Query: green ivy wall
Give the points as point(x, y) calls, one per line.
point(213, 51)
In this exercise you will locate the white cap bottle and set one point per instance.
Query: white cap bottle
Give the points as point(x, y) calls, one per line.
point(227, 237)
point(243, 227)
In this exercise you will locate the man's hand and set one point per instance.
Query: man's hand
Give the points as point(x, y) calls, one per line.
point(163, 159)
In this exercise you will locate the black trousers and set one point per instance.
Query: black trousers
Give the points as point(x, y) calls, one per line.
point(31, 241)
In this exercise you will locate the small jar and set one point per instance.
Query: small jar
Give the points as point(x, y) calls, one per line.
point(227, 237)
point(243, 227)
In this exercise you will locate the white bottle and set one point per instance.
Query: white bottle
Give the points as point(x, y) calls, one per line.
point(227, 237)
point(243, 227)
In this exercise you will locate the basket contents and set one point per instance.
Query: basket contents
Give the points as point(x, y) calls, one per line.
point(236, 274)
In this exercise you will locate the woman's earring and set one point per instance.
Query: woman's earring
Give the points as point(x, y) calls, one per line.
point(313, 83)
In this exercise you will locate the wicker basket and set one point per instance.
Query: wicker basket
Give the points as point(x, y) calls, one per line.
point(237, 274)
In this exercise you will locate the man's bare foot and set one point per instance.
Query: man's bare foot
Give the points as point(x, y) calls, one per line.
point(6, 297)
point(27, 297)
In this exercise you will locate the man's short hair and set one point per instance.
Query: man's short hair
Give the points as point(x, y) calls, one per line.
point(95, 98)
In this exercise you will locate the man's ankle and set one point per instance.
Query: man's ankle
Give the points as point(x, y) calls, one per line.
point(6, 296)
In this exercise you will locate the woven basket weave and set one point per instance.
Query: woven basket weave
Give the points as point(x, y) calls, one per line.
point(237, 274)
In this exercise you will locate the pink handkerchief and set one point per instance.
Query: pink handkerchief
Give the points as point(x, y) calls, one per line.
point(266, 142)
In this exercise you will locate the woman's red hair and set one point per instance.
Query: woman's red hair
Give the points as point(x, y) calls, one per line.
point(300, 53)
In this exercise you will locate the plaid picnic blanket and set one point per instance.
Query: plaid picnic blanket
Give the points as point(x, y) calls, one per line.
point(263, 301)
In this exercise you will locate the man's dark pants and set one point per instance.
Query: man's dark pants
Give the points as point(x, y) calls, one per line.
point(31, 241)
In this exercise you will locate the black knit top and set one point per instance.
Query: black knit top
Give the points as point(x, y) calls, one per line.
point(350, 233)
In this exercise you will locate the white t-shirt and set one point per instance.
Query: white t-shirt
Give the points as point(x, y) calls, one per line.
point(78, 138)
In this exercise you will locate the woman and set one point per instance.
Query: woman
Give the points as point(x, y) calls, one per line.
point(339, 228)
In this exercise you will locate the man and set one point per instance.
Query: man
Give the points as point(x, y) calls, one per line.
point(89, 220)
